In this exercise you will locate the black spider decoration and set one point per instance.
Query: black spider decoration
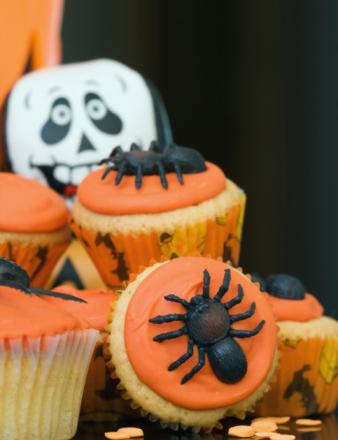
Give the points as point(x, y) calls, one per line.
point(138, 162)
point(208, 326)
point(14, 276)
point(281, 286)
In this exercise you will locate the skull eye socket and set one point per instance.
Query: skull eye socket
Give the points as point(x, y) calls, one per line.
point(59, 121)
point(103, 118)
point(61, 114)
point(96, 109)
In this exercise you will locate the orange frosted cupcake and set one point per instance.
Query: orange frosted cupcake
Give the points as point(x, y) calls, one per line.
point(152, 205)
point(192, 340)
point(44, 357)
point(34, 229)
point(101, 401)
point(306, 380)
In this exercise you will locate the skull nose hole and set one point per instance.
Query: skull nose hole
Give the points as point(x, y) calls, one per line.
point(85, 145)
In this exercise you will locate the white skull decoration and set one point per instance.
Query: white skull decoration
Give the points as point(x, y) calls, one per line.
point(61, 121)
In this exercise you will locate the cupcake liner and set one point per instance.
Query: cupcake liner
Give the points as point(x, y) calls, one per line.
point(306, 381)
point(116, 256)
point(41, 384)
point(101, 400)
point(37, 260)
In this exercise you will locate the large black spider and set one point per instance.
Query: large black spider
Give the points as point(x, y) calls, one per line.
point(208, 326)
point(14, 276)
point(138, 162)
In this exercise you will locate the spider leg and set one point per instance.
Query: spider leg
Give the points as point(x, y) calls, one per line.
point(224, 287)
point(168, 318)
point(138, 178)
point(246, 333)
point(170, 335)
point(206, 284)
point(154, 146)
point(120, 173)
point(108, 170)
point(178, 172)
point(163, 177)
point(177, 299)
point(235, 300)
point(134, 147)
point(196, 369)
point(245, 315)
point(116, 150)
point(184, 357)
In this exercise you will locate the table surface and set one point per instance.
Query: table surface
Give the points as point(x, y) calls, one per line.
point(95, 431)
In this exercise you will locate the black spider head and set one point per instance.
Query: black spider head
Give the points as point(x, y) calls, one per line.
point(208, 325)
point(14, 276)
point(285, 287)
point(157, 160)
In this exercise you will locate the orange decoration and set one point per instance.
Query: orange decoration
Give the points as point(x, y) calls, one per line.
point(150, 360)
point(300, 310)
point(30, 206)
point(104, 197)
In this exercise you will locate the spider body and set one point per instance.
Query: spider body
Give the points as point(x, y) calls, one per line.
point(208, 325)
point(139, 163)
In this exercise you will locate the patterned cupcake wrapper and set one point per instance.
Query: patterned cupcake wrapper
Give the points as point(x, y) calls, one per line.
point(101, 398)
point(306, 380)
point(41, 384)
point(116, 256)
point(38, 261)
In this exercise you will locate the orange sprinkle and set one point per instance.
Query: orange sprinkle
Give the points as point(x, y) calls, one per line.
point(277, 420)
point(132, 432)
point(276, 436)
point(308, 422)
point(262, 434)
point(264, 426)
point(116, 435)
point(241, 431)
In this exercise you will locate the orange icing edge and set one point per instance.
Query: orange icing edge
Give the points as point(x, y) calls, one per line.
point(150, 360)
point(25, 315)
point(30, 206)
point(104, 197)
point(95, 311)
point(302, 310)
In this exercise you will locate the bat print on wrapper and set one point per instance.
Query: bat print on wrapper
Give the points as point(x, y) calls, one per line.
point(61, 121)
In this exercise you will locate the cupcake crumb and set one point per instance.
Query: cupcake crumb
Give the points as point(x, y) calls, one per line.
point(308, 422)
point(241, 431)
point(132, 432)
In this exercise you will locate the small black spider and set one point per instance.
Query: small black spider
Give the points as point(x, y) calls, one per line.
point(14, 276)
point(285, 287)
point(156, 160)
point(208, 325)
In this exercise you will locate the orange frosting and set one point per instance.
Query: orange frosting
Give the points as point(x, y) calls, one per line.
point(299, 310)
point(24, 315)
point(150, 360)
point(104, 197)
point(29, 206)
point(95, 311)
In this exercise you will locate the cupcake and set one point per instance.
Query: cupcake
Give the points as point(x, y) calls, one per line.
point(101, 401)
point(192, 340)
point(154, 205)
point(306, 381)
point(44, 357)
point(34, 230)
